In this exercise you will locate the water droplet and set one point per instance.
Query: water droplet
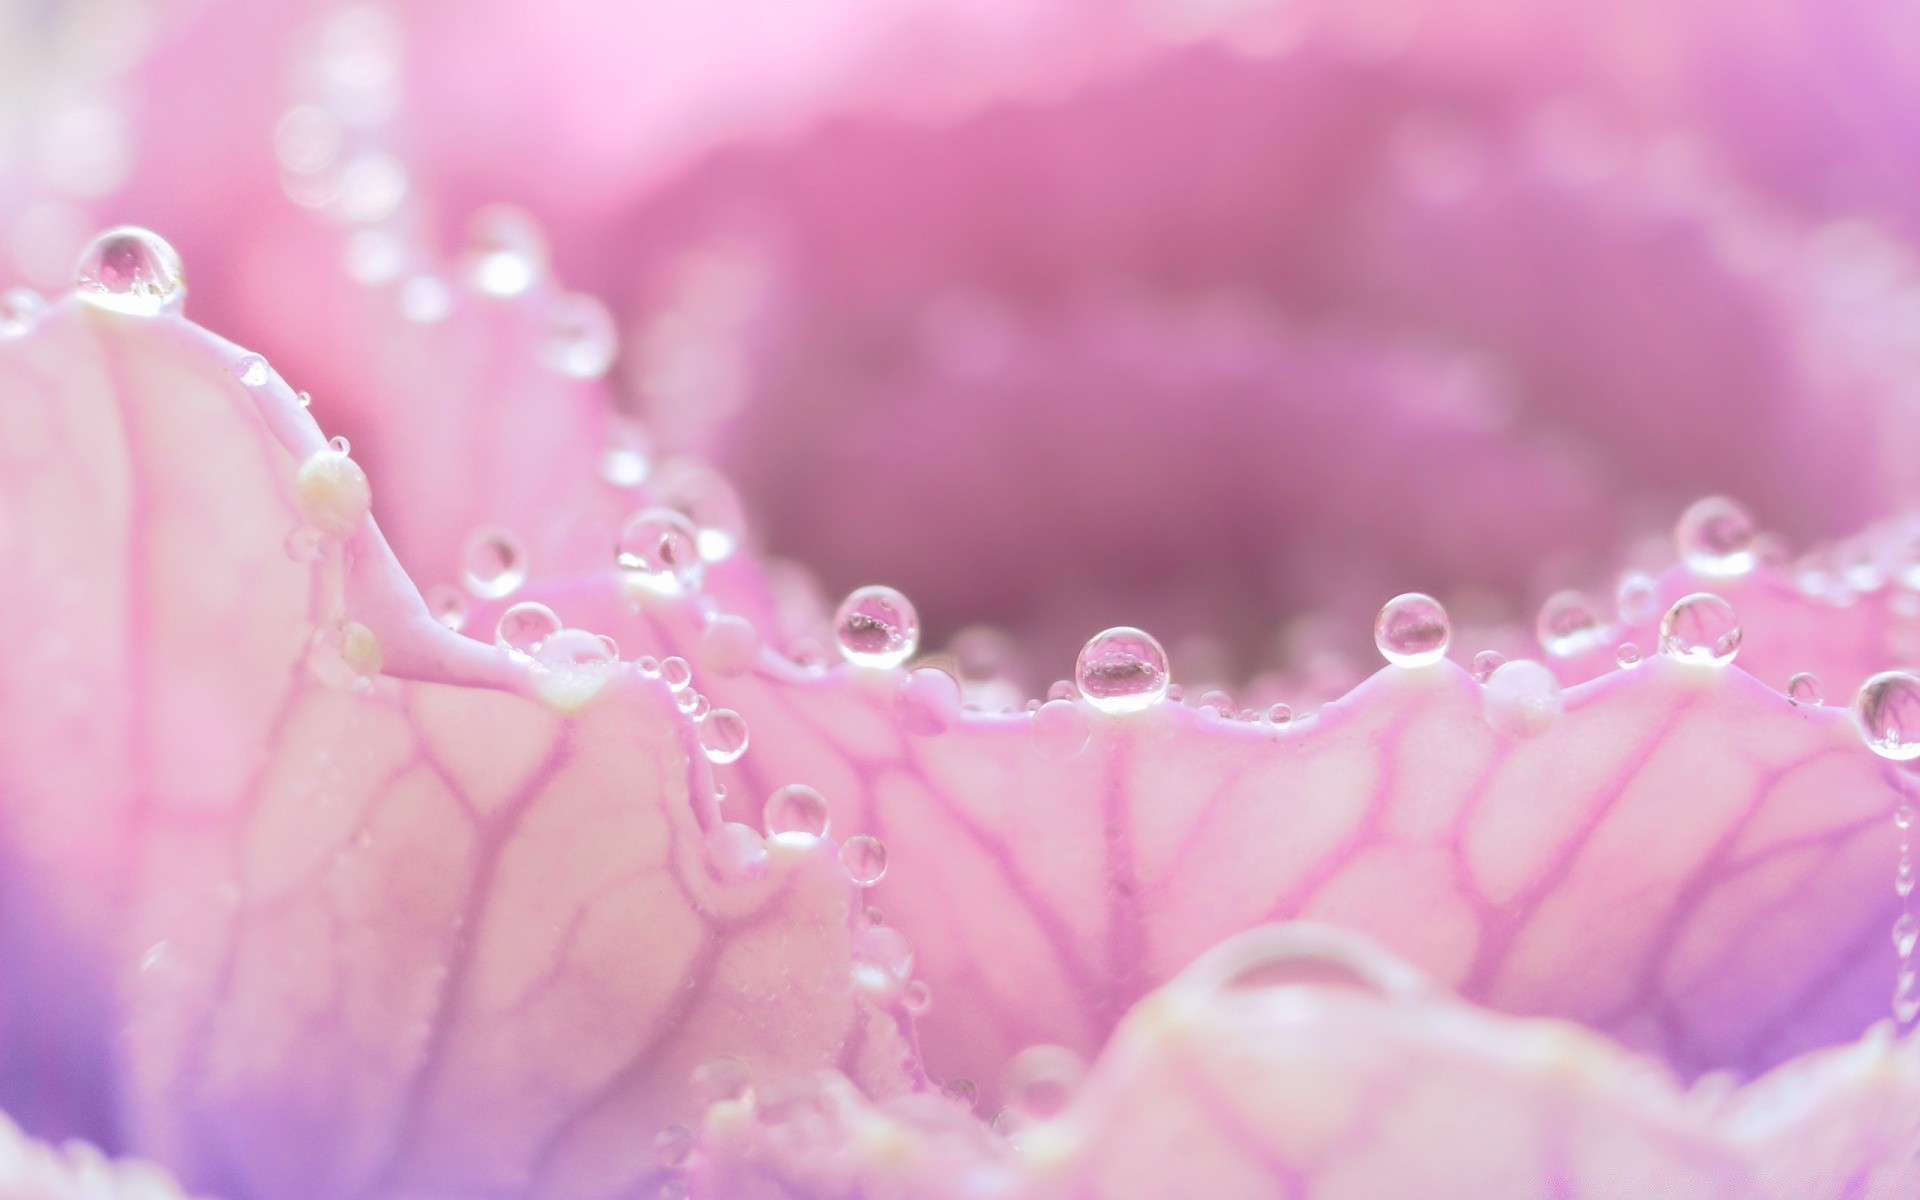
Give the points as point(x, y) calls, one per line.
point(693, 702)
point(675, 672)
point(917, 996)
point(305, 399)
point(795, 809)
point(1122, 670)
point(723, 734)
point(1521, 698)
point(886, 949)
point(1279, 715)
point(1716, 537)
point(130, 270)
point(251, 370)
point(1888, 711)
point(574, 648)
point(448, 606)
point(962, 1092)
point(876, 627)
point(864, 859)
point(19, 308)
point(1804, 688)
point(1568, 624)
point(1042, 1079)
point(927, 702)
point(1059, 729)
point(1306, 954)
point(508, 250)
point(493, 565)
point(1216, 702)
point(332, 491)
point(1906, 932)
point(626, 462)
point(523, 628)
point(1486, 663)
point(345, 654)
point(1412, 630)
point(729, 645)
point(1637, 599)
point(581, 338)
point(1700, 628)
point(672, 1145)
point(657, 551)
point(1906, 995)
point(1628, 655)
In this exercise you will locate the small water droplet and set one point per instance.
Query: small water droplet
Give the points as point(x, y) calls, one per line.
point(865, 860)
point(332, 491)
point(20, 307)
point(1062, 689)
point(795, 809)
point(693, 703)
point(1804, 688)
point(657, 551)
point(675, 672)
point(1042, 1079)
point(1568, 624)
point(708, 500)
point(927, 702)
point(1122, 670)
point(581, 338)
point(524, 627)
point(917, 996)
point(1716, 537)
point(1412, 630)
point(1059, 729)
point(1637, 599)
point(723, 735)
point(627, 461)
point(1306, 954)
point(448, 606)
point(1906, 932)
point(962, 1092)
point(251, 370)
point(1628, 655)
point(1521, 698)
point(729, 645)
point(508, 250)
point(1700, 628)
point(305, 399)
point(130, 270)
point(1217, 702)
point(672, 1145)
point(493, 565)
point(1906, 996)
point(876, 627)
point(1887, 709)
point(1486, 663)
point(1279, 715)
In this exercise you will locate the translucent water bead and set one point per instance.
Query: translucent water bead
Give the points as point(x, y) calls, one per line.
point(493, 565)
point(1412, 630)
point(657, 549)
point(1716, 537)
point(1700, 628)
point(876, 627)
point(1568, 624)
point(1122, 670)
point(795, 809)
point(130, 270)
point(1887, 708)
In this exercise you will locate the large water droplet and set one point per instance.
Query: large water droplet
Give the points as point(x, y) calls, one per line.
point(864, 859)
point(1521, 698)
point(1804, 688)
point(523, 628)
point(876, 627)
point(1700, 628)
point(1888, 711)
point(675, 672)
point(1059, 729)
point(723, 735)
point(1486, 663)
point(1122, 670)
point(927, 702)
point(1716, 537)
point(795, 809)
point(1568, 624)
point(657, 551)
point(493, 565)
point(345, 654)
point(1412, 630)
point(130, 270)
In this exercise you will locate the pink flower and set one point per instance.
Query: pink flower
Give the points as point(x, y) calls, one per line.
point(500, 799)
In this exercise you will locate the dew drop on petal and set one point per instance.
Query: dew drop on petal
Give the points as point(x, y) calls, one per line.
point(1637, 599)
point(493, 565)
point(795, 809)
point(1305, 954)
point(865, 860)
point(1716, 537)
point(1042, 1079)
point(1412, 630)
point(876, 626)
point(448, 606)
point(1568, 624)
point(1486, 663)
point(509, 252)
point(1700, 628)
point(1906, 933)
point(962, 1092)
point(251, 370)
point(1279, 715)
point(1887, 708)
point(130, 270)
point(525, 627)
point(1122, 670)
point(729, 645)
point(723, 735)
point(1804, 688)
point(1059, 729)
point(658, 551)
point(927, 701)
point(1521, 698)
point(332, 491)
point(675, 672)
point(1628, 655)
point(581, 337)
point(625, 463)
